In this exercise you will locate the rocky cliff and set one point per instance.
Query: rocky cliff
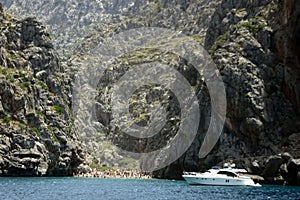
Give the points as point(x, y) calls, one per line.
point(249, 44)
point(255, 47)
point(37, 135)
point(76, 18)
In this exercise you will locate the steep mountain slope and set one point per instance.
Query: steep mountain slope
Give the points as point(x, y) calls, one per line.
point(244, 39)
point(261, 77)
point(255, 46)
point(37, 135)
point(68, 21)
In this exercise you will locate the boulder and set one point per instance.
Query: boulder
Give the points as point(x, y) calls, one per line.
point(83, 169)
point(272, 166)
point(293, 168)
point(286, 157)
point(255, 168)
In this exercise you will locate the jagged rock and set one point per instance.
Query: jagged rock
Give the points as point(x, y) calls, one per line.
point(31, 142)
point(68, 17)
point(34, 33)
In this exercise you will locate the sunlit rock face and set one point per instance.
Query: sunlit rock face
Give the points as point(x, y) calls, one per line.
point(253, 43)
point(37, 136)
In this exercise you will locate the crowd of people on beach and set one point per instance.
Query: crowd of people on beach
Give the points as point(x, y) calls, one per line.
point(118, 173)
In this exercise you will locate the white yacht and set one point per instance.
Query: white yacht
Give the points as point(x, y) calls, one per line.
point(220, 176)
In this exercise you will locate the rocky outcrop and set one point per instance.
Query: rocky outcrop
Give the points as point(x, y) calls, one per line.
point(37, 136)
point(277, 169)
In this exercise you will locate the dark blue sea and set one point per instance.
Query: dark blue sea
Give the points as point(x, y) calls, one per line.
point(94, 188)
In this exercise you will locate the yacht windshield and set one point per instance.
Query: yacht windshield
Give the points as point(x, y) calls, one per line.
point(232, 174)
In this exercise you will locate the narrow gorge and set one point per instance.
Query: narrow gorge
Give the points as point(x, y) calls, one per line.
point(254, 44)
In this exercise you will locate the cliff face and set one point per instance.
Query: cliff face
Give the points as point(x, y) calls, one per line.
point(37, 136)
point(251, 44)
point(286, 47)
point(260, 73)
point(255, 45)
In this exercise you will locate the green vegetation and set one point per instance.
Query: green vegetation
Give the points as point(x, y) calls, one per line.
point(25, 85)
point(50, 129)
point(6, 120)
point(220, 41)
point(199, 39)
point(22, 127)
point(22, 75)
point(11, 56)
point(58, 110)
point(10, 78)
point(56, 78)
point(127, 161)
point(18, 77)
point(141, 56)
point(43, 85)
point(153, 7)
point(142, 118)
point(36, 131)
point(11, 28)
point(254, 26)
point(55, 139)
point(3, 71)
point(41, 114)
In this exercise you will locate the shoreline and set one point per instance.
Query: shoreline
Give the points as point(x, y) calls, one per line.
point(120, 174)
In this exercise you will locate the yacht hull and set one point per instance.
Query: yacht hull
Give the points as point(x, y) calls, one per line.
point(228, 181)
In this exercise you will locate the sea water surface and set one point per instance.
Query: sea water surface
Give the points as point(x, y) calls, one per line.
point(96, 188)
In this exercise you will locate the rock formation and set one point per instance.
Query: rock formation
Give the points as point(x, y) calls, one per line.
point(261, 74)
point(255, 45)
point(37, 136)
